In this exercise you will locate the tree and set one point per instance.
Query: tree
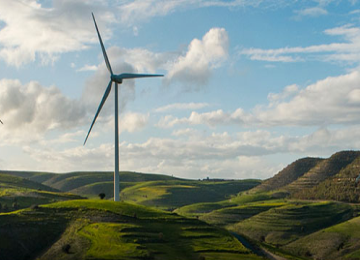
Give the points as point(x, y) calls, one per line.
point(102, 195)
point(15, 205)
point(66, 248)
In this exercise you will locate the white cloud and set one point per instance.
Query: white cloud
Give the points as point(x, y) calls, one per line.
point(181, 106)
point(35, 109)
point(222, 155)
point(33, 32)
point(345, 51)
point(202, 55)
point(212, 119)
point(88, 68)
point(334, 100)
point(312, 11)
point(132, 122)
point(288, 92)
point(194, 67)
point(133, 12)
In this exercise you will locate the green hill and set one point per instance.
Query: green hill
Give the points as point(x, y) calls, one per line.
point(323, 170)
point(173, 194)
point(89, 229)
point(341, 187)
point(33, 176)
point(341, 241)
point(288, 175)
point(17, 192)
point(282, 225)
point(156, 190)
point(75, 180)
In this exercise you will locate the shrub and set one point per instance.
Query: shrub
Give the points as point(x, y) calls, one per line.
point(66, 248)
point(34, 206)
point(15, 205)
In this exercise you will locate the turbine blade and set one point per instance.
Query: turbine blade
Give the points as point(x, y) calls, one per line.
point(106, 94)
point(102, 47)
point(134, 75)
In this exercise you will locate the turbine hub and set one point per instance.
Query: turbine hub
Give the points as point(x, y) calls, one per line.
point(116, 79)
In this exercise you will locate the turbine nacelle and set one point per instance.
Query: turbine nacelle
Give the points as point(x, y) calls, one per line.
point(116, 78)
point(119, 78)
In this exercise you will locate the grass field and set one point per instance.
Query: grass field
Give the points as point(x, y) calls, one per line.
point(94, 229)
point(172, 194)
point(17, 193)
point(282, 225)
point(340, 241)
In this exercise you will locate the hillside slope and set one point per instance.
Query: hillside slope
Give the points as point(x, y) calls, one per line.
point(340, 241)
point(39, 177)
point(288, 175)
point(173, 194)
point(75, 180)
point(17, 192)
point(341, 187)
point(323, 170)
point(89, 229)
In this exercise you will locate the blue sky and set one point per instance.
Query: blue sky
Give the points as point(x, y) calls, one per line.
point(249, 86)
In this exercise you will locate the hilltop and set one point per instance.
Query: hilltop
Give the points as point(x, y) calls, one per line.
point(288, 175)
point(17, 192)
point(162, 191)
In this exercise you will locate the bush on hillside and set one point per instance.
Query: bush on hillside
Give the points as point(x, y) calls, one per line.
point(102, 195)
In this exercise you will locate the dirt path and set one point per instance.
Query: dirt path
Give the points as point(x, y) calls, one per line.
point(260, 251)
point(272, 256)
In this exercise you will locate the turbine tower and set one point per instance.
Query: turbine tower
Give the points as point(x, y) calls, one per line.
point(118, 79)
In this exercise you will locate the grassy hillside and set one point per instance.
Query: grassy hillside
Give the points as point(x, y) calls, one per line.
point(288, 175)
point(156, 190)
point(340, 187)
point(323, 170)
point(17, 192)
point(9, 181)
point(33, 176)
point(282, 225)
point(231, 215)
point(89, 229)
point(201, 209)
point(75, 180)
point(174, 194)
point(340, 241)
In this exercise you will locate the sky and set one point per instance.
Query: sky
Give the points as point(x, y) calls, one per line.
point(248, 87)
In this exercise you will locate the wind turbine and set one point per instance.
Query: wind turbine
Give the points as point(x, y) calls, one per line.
point(118, 79)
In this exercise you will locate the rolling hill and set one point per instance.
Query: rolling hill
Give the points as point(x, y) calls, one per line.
point(340, 241)
point(170, 195)
point(17, 192)
point(323, 170)
point(341, 187)
point(94, 229)
point(156, 190)
point(288, 175)
point(296, 214)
